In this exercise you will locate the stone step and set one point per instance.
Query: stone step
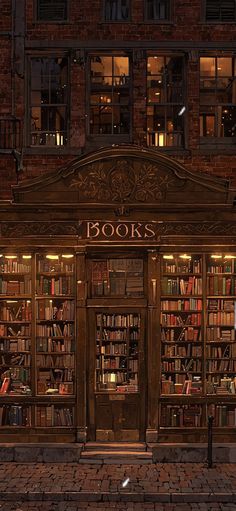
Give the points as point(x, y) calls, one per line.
point(116, 446)
point(114, 456)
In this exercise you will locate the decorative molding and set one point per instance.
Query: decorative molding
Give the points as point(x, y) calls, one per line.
point(189, 229)
point(124, 182)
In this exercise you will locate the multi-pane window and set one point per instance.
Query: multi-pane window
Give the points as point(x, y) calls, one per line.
point(218, 98)
point(220, 10)
point(117, 10)
point(165, 101)
point(52, 10)
point(48, 101)
point(109, 95)
point(157, 10)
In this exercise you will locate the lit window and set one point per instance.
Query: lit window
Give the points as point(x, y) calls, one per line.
point(217, 98)
point(48, 100)
point(165, 106)
point(109, 95)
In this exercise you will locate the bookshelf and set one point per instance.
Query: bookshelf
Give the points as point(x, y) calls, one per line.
point(55, 324)
point(220, 329)
point(115, 277)
point(181, 324)
point(117, 351)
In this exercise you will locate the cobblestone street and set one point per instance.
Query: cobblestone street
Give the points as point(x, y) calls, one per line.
point(154, 487)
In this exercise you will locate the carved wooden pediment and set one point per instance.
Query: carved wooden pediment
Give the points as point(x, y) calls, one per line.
point(124, 175)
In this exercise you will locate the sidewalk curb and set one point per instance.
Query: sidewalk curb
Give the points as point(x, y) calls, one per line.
point(84, 496)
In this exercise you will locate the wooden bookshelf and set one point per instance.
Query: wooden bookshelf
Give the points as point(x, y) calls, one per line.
point(117, 277)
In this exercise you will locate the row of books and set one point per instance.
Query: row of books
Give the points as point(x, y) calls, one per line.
point(228, 351)
point(182, 305)
point(15, 345)
point(188, 350)
point(16, 311)
point(182, 365)
point(219, 304)
point(56, 265)
point(226, 266)
point(15, 359)
point(112, 335)
point(15, 330)
point(224, 415)
point(181, 286)
point(53, 310)
point(15, 287)
point(112, 349)
point(219, 285)
point(56, 361)
point(188, 416)
point(56, 375)
point(177, 265)
point(221, 366)
point(14, 266)
point(111, 363)
point(51, 416)
point(55, 285)
point(186, 334)
point(221, 318)
point(54, 388)
point(100, 269)
point(15, 415)
point(179, 320)
point(51, 345)
point(55, 330)
point(117, 285)
point(217, 334)
point(118, 320)
point(181, 385)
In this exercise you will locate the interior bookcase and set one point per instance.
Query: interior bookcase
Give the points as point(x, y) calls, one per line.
point(198, 344)
point(37, 340)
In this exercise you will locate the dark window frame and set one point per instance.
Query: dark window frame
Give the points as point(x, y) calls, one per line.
point(66, 105)
point(108, 90)
point(64, 20)
point(116, 19)
point(212, 108)
point(217, 4)
point(166, 105)
point(157, 20)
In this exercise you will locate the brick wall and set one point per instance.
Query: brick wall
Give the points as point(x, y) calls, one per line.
point(86, 24)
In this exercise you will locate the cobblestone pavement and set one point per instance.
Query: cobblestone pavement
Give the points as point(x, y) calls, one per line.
point(103, 487)
point(65, 506)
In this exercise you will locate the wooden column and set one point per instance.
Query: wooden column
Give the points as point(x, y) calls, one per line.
point(81, 348)
point(153, 346)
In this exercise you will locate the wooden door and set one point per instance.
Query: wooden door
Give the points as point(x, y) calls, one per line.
point(116, 410)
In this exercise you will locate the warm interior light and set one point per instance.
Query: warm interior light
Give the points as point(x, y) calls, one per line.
point(26, 257)
point(216, 256)
point(229, 257)
point(185, 256)
point(11, 257)
point(55, 257)
point(161, 140)
point(168, 256)
point(12, 301)
point(67, 256)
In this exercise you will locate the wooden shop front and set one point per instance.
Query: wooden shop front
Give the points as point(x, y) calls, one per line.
point(118, 303)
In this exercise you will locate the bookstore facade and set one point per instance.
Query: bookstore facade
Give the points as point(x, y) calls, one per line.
point(118, 303)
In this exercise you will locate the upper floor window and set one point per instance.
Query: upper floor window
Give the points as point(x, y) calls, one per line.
point(52, 10)
point(157, 10)
point(220, 10)
point(165, 97)
point(109, 95)
point(218, 98)
point(117, 10)
point(48, 101)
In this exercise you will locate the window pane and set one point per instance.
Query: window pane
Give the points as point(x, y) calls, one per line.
point(157, 10)
point(48, 88)
point(207, 66)
point(224, 66)
point(51, 10)
point(116, 10)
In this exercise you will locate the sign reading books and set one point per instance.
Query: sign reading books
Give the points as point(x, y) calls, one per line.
point(131, 231)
